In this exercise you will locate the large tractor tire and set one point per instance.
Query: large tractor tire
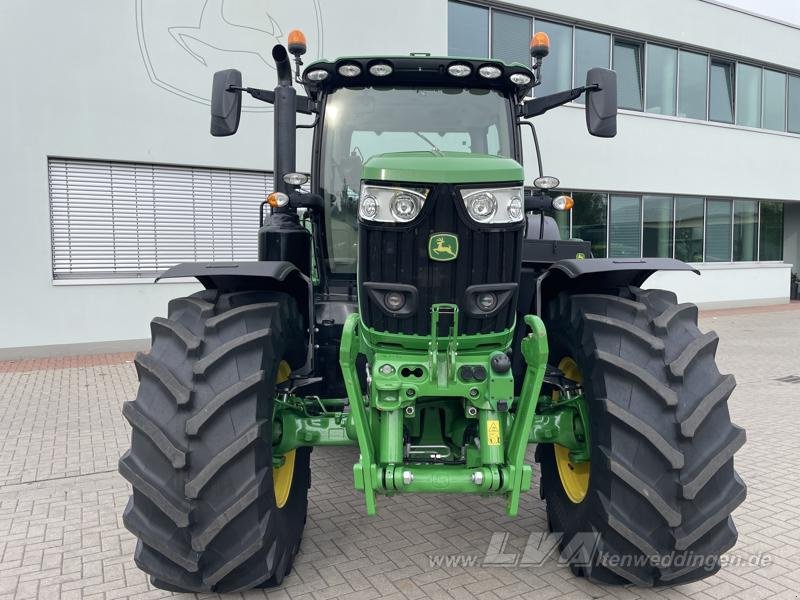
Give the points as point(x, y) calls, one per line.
point(652, 507)
point(209, 510)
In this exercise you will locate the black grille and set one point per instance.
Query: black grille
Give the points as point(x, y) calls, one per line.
point(390, 253)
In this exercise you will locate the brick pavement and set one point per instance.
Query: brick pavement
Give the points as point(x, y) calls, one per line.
point(61, 500)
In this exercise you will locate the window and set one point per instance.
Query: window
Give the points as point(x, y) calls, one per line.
point(748, 96)
point(689, 228)
point(115, 219)
point(662, 73)
point(557, 67)
point(774, 116)
point(624, 227)
point(794, 104)
point(745, 230)
point(718, 231)
point(628, 65)
point(589, 220)
point(771, 237)
point(467, 30)
point(692, 84)
point(591, 50)
point(657, 226)
point(511, 38)
point(721, 94)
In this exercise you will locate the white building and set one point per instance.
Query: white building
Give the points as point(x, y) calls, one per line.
point(109, 171)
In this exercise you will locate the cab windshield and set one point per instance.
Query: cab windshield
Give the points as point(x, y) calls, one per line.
point(362, 122)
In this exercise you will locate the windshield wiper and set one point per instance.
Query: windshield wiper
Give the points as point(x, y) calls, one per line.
point(435, 148)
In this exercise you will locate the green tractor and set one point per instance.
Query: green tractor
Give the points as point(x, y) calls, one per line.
point(416, 302)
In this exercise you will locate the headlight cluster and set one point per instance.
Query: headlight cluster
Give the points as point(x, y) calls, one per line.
point(495, 205)
point(390, 204)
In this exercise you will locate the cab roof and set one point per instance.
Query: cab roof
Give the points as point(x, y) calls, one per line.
point(417, 70)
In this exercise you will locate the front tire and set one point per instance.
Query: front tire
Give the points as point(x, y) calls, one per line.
point(209, 511)
point(661, 485)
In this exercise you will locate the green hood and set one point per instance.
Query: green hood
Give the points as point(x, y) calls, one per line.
point(441, 167)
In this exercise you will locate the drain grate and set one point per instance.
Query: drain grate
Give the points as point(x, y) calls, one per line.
point(789, 379)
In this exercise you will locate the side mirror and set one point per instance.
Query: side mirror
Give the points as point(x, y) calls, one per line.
point(226, 103)
point(601, 103)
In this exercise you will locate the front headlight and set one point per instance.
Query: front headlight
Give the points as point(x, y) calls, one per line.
point(390, 204)
point(494, 205)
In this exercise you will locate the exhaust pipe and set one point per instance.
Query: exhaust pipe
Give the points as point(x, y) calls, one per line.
point(285, 121)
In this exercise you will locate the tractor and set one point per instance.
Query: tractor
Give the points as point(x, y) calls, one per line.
point(412, 297)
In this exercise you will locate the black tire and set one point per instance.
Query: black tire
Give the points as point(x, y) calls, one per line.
point(203, 506)
point(662, 484)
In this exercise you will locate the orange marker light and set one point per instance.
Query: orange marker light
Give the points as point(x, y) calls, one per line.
point(540, 44)
point(297, 42)
point(563, 203)
point(277, 199)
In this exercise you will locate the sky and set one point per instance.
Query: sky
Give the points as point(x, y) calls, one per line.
point(785, 10)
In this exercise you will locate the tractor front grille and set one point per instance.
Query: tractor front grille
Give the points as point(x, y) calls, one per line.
point(398, 253)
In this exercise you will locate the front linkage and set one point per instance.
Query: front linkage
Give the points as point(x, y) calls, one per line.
point(411, 382)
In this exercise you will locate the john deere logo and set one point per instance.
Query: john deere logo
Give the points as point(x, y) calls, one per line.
point(443, 246)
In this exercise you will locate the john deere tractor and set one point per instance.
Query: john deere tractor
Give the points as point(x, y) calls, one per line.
point(415, 300)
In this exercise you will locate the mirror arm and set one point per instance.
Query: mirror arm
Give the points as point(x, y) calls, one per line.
point(539, 106)
point(304, 104)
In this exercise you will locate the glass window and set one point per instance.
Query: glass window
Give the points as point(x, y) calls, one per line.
point(794, 104)
point(771, 240)
point(628, 65)
point(745, 232)
point(718, 231)
point(748, 95)
point(467, 30)
point(589, 217)
point(721, 101)
point(692, 84)
point(511, 38)
point(774, 100)
point(657, 226)
point(624, 226)
point(591, 50)
point(689, 228)
point(557, 67)
point(662, 72)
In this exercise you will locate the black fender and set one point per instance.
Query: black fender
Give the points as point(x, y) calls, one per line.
point(271, 275)
point(597, 274)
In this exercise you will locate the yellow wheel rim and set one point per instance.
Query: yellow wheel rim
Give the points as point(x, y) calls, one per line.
point(574, 476)
point(282, 476)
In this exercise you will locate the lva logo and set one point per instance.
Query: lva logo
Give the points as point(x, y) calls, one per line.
point(184, 43)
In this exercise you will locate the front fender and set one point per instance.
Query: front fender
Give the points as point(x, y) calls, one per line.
point(271, 275)
point(597, 274)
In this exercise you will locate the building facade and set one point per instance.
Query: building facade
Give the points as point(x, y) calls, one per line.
point(110, 174)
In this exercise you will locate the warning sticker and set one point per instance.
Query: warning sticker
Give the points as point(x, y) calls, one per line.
point(493, 432)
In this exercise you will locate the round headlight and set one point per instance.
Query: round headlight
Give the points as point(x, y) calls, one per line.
point(404, 206)
point(349, 70)
point(368, 207)
point(295, 178)
point(515, 208)
point(546, 182)
point(490, 72)
point(520, 78)
point(317, 75)
point(394, 300)
point(459, 70)
point(481, 206)
point(380, 69)
point(486, 301)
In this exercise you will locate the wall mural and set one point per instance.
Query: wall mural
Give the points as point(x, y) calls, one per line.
point(184, 43)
